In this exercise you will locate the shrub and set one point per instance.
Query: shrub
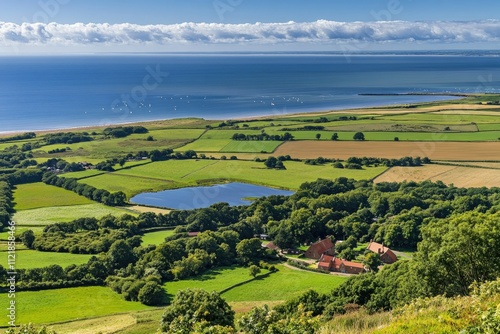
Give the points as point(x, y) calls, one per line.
point(338, 164)
point(151, 294)
point(359, 136)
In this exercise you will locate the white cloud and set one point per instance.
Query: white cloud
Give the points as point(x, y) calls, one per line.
point(54, 34)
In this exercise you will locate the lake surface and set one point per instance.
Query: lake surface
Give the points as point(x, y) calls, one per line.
point(38, 92)
point(202, 197)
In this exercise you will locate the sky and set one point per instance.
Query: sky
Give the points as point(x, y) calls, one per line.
point(52, 26)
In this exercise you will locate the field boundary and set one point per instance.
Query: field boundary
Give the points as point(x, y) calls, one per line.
point(196, 171)
point(259, 277)
point(465, 165)
point(180, 145)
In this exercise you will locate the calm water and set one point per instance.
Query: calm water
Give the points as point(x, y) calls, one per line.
point(68, 91)
point(202, 197)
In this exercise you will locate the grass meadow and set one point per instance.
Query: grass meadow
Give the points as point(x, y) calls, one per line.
point(156, 238)
point(206, 145)
point(27, 259)
point(181, 173)
point(236, 146)
point(49, 215)
point(403, 136)
point(106, 148)
point(48, 306)
point(41, 195)
point(282, 285)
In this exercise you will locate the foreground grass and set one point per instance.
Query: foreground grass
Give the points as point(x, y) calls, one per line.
point(477, 313)
point(41, 195)
point(139, 322)
point(282, 285)
point(357, 322)
point(48, 306)
point(27, 259)
point(50, 215)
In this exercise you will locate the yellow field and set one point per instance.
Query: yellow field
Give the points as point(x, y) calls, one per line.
point(141, 209)
point(391, 110)
point(459, 176)
point(491, 165)
point(452, 151)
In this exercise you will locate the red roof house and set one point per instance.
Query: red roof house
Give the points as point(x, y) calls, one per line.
point(331, 263)
point(386, 255)
point(271, 245)
point(319, 248)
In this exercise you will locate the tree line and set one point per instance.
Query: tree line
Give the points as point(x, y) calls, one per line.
point(123, 131)
point(6, 203)
point(13, 157)
point(262, 137)
point(23, 136)
point(99, 195)
point(67, 138)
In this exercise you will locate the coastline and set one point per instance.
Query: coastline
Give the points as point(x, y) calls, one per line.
point(82, 128)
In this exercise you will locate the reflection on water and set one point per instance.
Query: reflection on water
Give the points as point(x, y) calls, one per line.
point(202, 197)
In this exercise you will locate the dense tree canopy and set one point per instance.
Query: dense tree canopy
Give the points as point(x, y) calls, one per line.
point(193, 306)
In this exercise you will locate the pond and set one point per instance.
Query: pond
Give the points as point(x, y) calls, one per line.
point(234, 193)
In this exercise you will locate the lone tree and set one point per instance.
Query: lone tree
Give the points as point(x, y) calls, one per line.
point(270, 162)
point(28, 237)
point(318, 136)
point(335, 136)
point(359, 136)
point(254, 270)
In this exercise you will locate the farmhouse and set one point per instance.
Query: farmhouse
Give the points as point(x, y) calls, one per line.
point(317, 249)
point(331, 263)
point(386, 255)
point(271, 245)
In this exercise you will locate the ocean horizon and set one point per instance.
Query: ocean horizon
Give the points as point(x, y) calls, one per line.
point(63, 92)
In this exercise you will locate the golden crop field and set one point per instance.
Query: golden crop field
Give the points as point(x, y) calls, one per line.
point(457, 175)
point(452, 151)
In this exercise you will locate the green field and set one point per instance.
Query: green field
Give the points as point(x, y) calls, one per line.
point(106, 148)
point(279, 286)
point(403, 136)
point(181, 173)
point(220, 141)
point(59, 305)
point(50, 215)
point(27, 259)
point(251, 146)
point(206, 145)
point(156, 238)
point(41, 195)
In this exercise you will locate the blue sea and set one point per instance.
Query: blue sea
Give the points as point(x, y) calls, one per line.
point(48, 92)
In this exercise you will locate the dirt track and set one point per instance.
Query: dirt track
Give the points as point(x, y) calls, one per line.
point(478, 151)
